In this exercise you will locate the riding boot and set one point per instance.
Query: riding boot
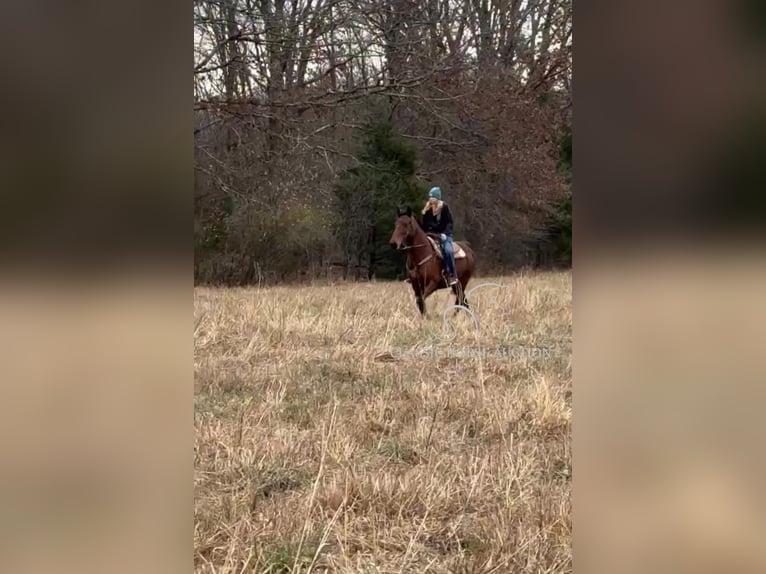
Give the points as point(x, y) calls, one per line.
point(451, 274)
point(449, 260)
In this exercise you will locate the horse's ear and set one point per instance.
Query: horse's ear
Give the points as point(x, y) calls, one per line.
point(409, 211)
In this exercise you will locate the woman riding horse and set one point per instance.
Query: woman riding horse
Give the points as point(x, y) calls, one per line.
point(424, 268)
point(437, 219)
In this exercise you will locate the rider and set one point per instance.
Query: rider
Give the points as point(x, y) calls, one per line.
point(437, 218)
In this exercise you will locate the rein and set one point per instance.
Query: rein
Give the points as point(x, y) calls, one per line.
point(426, 259)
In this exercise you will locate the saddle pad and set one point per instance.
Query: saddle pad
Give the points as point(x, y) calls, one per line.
point(459, 253)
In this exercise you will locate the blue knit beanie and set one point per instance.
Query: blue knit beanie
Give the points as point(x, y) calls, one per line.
point(435, 192)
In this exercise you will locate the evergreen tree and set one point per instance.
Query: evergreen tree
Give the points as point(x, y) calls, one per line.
point(367, 196)
point(561, 223)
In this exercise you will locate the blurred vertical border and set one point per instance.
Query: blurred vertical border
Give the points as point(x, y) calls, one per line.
point(668, 287)
point(96, 156)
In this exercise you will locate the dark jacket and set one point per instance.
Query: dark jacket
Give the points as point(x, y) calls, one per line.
point(441, 225)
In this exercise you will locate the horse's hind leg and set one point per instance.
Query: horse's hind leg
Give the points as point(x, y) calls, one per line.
point(459, 290)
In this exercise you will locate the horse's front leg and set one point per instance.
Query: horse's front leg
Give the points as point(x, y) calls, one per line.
point(421, 293)
point(419, 299)
point(431, 286)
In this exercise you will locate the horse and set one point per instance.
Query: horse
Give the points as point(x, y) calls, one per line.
point(424, 264)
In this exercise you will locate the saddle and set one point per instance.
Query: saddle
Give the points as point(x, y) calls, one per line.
point(458, 250)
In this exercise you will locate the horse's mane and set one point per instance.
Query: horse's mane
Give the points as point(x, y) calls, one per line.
point(417, 223)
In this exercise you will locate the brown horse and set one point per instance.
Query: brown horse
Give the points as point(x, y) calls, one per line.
point(424, 265)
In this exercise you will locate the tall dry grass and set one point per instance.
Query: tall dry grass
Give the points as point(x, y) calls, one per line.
point(336, 433)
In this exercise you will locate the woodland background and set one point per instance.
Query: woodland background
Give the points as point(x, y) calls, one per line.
point(315, 119)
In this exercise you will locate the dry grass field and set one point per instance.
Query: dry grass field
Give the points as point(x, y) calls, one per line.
point(335, 431)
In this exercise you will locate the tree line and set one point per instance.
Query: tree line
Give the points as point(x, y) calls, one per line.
point(314, 118)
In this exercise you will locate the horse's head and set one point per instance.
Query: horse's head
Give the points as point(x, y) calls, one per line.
point(404, 228)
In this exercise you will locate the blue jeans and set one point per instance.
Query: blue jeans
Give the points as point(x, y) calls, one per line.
point(449, 256)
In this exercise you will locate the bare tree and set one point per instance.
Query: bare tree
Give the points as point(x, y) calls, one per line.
point(481, 87)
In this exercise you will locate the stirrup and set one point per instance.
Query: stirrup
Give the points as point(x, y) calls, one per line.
point(452, 281)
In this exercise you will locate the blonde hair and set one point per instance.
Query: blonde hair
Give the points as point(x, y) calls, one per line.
point(438, 206)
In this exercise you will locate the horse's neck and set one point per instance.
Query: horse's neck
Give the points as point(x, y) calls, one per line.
point(421, 246)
